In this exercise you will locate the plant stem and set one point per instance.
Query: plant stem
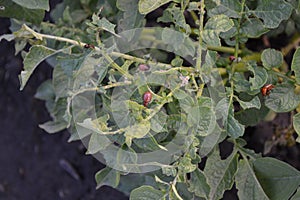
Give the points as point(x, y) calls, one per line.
point(200, 42)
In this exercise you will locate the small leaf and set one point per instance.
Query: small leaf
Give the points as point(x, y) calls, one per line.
point(247, 183)
point(296, 123)
point(53, 126)
point(107, 176)
point(146, 192)
point(220, 173)
point(233, 126)
point(198, 184)
point(271, 58)
point(147, 6)
point(278, 179)
point(104, 24)
point(254, 103)
point(34, 4)
point(272, 12)
point(7, 37)
point(45, 91)
point(32, 59)
point(282, 98)
point(296, 65)
point(260, 77)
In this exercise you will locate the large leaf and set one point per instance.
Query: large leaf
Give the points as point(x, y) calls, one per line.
point(253, 103)
point(247, 184)
point(253, 28)
point(34, 4)
point(282, 98)
point(296, 65)
point(198, 184)
point(271, 58)
point(97, 143)
point(146, 192)
point(278, 179)
point(272, 12)
point(259, 79)
point(147, 6)
point(32, 59)
point(297, 195)
point(107, 176)
point(138, 130)
point(220, 173)
point(16, 11)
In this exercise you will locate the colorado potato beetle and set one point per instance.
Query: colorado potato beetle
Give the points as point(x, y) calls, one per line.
point(147, 98)
point(265, 91)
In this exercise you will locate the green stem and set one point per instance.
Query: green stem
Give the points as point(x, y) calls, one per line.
point(200, 42)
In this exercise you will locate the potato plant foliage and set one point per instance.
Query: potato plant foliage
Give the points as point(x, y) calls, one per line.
point(107, 54)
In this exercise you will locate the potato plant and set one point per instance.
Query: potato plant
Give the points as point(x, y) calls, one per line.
point(152, 87)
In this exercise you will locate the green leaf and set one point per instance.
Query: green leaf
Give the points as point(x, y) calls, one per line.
point(98, 125)
point(296, 65)
point(13, 10)
point(104, 24)
point(34, 4)
point(271, 58)
point(137, 131)
point(253, 28)
point(107, 176)
point(32, 59)
point(97, 143)
point(278, 179)
point(186, 166)
point(254, 103)
point(272, 12)
point(282, 98)
point(247, 184)
point(198, 184)
point(147, 6)
point(296, 123)
point(131, 18)
point(45, 91)
point(297, 195)
point(220, 173)
point(230, 8)
point(61, 82)
point(53, 126)
point(175, 38)
point(260, 77)
point(233, 127)
point(214, 26)
point(175, 15)
point(146, 192)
